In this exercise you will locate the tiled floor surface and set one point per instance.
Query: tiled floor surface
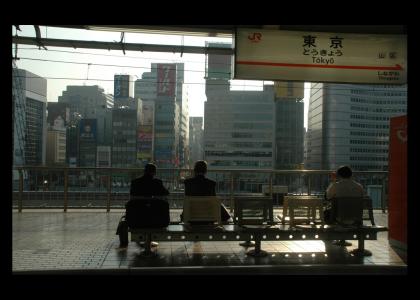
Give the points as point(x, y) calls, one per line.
point(85, 239)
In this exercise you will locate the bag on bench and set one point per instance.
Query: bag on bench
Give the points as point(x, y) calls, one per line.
point(147, 213)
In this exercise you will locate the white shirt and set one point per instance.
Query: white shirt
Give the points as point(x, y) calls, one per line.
point(346, 187)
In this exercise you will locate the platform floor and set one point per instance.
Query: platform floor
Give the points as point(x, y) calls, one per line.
point(85, 240)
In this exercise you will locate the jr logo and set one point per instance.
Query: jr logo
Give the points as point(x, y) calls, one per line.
point(255, 38)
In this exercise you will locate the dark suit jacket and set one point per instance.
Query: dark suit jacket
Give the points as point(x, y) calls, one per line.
point(200, 186)
point(147, 186)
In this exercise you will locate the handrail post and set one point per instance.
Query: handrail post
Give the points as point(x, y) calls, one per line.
point(309, 184)
point(383, 196)
point(66, 187)
point(231, 191)
point(20, 190)
point(108, 200)
point(271, 186)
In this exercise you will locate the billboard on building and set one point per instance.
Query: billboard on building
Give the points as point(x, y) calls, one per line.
point(145, 143)
point(122, 86)
point(148, 113)
point(166, 79)
point(320, 56)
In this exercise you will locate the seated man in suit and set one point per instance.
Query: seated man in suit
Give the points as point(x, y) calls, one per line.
point(199, 185)
point(144, 186)
point(147, 185)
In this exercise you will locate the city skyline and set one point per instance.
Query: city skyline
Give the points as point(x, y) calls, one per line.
point(87, 65)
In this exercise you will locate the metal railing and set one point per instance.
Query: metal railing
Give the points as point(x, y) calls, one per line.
point(82, 187)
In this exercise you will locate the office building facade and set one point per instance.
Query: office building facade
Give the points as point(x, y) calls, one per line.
point(56, 147)
point(238, 125)
point(349, 125)
point(34, 90)
point(196, 143)
point(289, 125)
point(239, 130)
point(90, 102)
point(124, 135)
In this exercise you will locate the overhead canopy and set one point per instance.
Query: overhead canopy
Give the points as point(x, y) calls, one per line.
point(228, 30)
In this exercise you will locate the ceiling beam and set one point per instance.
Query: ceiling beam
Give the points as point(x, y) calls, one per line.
point(120, 46)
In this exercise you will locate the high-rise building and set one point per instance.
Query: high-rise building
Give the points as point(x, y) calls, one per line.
point(34, 90)
point(196, 140)
point(184, 128)
point(238, 129)
point(166, 80)
point(146, 87)
point(348, 124)
point(85, 100)
point(289, 125)
point(238, 125)
point(90, 102)
point(19, 120)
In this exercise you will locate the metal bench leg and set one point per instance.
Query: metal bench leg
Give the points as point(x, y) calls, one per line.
point(247, 244)
point(361, 251)
point(148, 247)
point(342, 243)
point(257, 252)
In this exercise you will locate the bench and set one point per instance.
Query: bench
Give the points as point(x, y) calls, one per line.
point(244, 230)
point(311, 203)
point(257, 233)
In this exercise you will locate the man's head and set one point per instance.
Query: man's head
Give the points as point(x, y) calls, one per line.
point(150, 169)
point(344, 172)
point(200, 167)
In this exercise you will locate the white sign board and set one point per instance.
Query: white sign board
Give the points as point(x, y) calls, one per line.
point(320, 57)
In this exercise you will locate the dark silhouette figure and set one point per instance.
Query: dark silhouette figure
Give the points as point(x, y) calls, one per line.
point(199, 185)
point(147, 185)
point(142, 210)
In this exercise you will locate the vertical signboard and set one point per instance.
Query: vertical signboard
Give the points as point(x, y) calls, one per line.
point(166, 79)
point(320, 56)
point(397, 195)
point(87, 143)
point(145, 143)
point(122, 86)
point(148, 112)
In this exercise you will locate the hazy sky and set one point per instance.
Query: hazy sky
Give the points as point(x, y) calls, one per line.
point(133, 63)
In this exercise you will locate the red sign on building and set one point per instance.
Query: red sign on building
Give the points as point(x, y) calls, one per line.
point(166, 79)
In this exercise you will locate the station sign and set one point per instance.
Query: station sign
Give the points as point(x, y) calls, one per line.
point(320, 57)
